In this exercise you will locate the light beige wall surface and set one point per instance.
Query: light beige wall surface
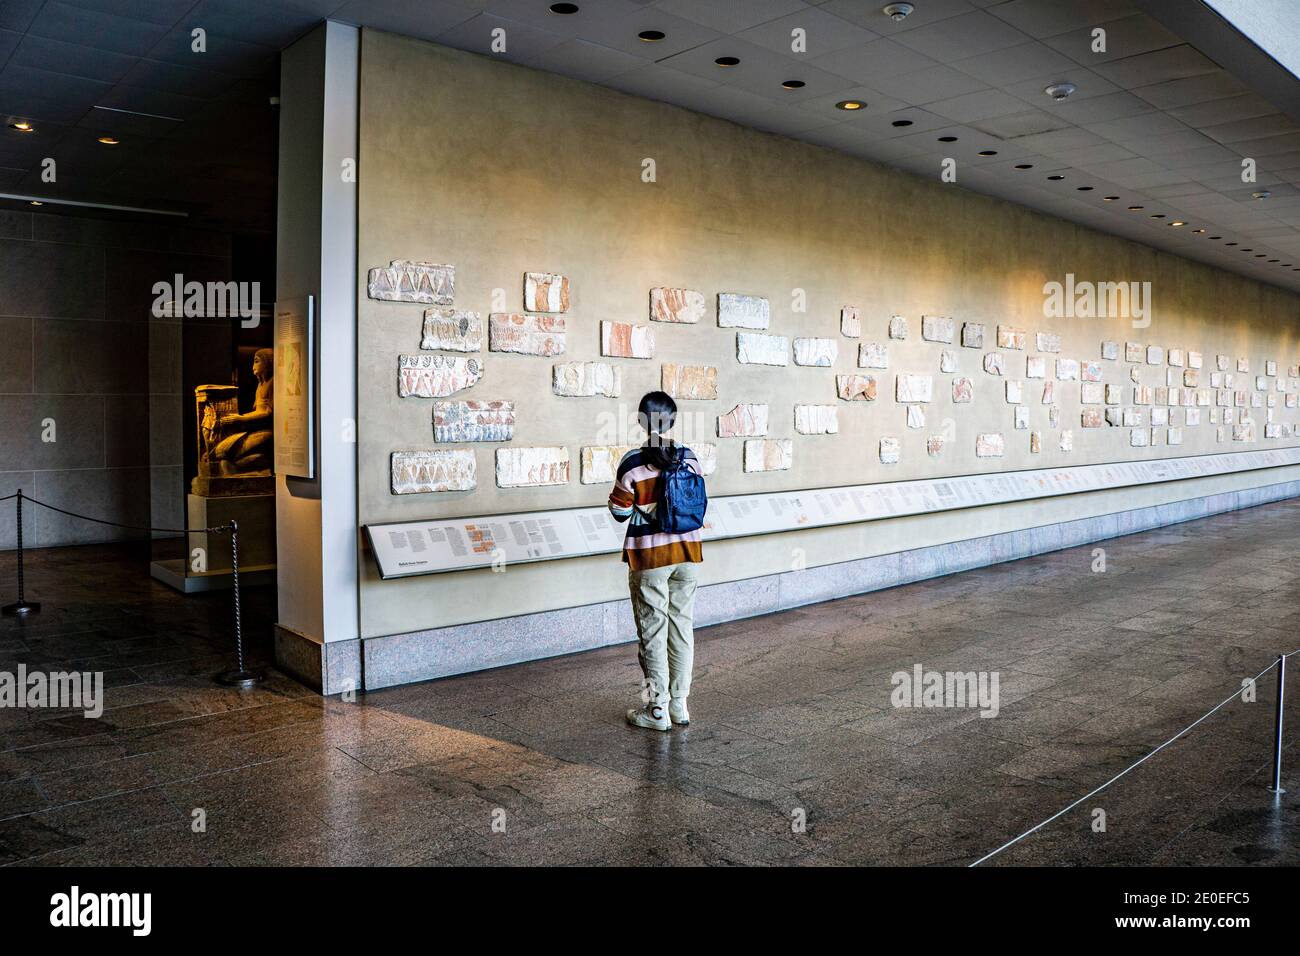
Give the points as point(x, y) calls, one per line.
point(499, 170)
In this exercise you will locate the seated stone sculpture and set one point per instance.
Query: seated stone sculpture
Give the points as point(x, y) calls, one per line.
point(236, 452)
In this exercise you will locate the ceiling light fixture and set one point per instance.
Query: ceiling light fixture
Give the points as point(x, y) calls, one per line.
point(1229, 243)
point(23, 126)
point(564, 8)
point(1198, 232)
point(1024, 165)
point(1262, 194)
point(947, 139)
point(850, 105)
point(897, 12)
point(1084, 189)
point(651, 36)
point(793, 84)
point(37, 202)
point(988, 152)
point(1060, 91)
point(1178, 222)
point(1109, 198)
point(1055, 177)
point(1135, 208)
point(1157, 215)
point(109, 140)
point(727, 61)
point(901, 123)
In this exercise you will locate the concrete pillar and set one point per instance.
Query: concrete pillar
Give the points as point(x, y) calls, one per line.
point(316, 520)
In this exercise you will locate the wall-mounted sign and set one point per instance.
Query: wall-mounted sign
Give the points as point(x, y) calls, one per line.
point(406, 548)
point(295, 388)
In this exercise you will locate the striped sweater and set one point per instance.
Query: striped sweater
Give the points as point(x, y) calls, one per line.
point(633, 499)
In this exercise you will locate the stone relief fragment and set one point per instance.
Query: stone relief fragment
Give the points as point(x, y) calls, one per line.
point(1035, 366)
point(425, 472)
point(685, 306)
point(626, 340)
point(972, 335)
point(406, 280)
point(737, 311)
point(742, 421)
point(526, 334)
point(993, 363)
point(755, 348)
point(1049, 392)
point(473, 421)
point(856, 388)
point(1021, 417)
point(600, 463)
point(435, 376)
point(1048, 342)
point(1133, 352)
point(1175, 357)
point(452, 330)
point(889, 449)
point(586, 380)
point(1195, 360)
point(1067, 370)
point(937, 328)
point(1010, 337)
point(990, 445)
point(1035, 443)
point(913, 388)
point(768, 454)
point(850, 322)
point(689, 382)
point(1067, 440)
point(934, 445)
point(1139, 437)
point(1091, 393)
point(816, 419)
point(915, 416)
point(527, 467)
point(1155, 355)
point(1110, 350)
point(546, 292)
point(947, 360)
point(898, 326)
point(1092, 418)
point(873, 355)
point(1015, 391)
point(706, 453)
point(1090, 371)
point(820, 353)
point(963, 390)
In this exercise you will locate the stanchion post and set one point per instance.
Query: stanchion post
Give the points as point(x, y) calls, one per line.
point(1277, 726)
point(22, 607)
point(241, 676)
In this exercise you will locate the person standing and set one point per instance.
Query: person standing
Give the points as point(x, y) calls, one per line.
point(659, 492)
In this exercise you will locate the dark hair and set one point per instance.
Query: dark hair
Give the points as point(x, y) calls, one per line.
point(657, 412)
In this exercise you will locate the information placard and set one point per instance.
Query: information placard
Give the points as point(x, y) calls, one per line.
point(407, 548)
point(294, 388)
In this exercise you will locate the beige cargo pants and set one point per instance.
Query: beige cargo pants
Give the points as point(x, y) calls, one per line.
point(663, 603)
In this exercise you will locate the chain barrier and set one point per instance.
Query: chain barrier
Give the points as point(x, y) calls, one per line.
point(241, 676)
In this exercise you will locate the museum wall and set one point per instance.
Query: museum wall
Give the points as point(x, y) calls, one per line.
point(79, 349)
point(499, 170)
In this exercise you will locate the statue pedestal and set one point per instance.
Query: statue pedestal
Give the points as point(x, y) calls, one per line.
point(217, 486)
point(255, 515)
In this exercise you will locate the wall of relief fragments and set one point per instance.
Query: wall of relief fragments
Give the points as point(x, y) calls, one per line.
point(821, 320)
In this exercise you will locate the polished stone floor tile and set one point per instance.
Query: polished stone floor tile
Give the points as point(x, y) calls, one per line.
point(796, 755)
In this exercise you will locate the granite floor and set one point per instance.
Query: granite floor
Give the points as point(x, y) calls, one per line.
point(795, 755)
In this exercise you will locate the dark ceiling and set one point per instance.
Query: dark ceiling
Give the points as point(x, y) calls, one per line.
point(1162, 119)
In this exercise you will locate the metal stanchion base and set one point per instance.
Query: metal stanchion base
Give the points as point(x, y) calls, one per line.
point(1278, 790)
point(21, 608)
point(240, 679)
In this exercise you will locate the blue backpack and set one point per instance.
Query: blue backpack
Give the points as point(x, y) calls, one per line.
point(682, 498)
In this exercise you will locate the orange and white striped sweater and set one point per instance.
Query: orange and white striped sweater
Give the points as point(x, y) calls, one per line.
point(634, 498)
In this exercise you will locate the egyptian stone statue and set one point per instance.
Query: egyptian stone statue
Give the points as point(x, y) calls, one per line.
point(236, 449)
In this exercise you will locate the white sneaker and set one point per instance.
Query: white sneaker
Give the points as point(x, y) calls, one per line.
point(677, 711)
point(651, 717)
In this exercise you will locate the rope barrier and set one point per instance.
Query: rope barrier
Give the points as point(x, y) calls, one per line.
point(1235, 694)
point(241, 676)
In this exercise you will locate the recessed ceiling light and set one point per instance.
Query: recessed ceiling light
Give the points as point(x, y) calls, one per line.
point(1178, 222)
point(901, 123)
point(727, 61)
point(651, 36)
point(1109, 198)
point(850, 105)
point(794, 84)
point(988, 152)
point(1261, 194)
point(564, 8)
point(1229, 243)
point(109, 140)
point(1247, 250)
point(897, 11)
point(23, 126)
point(1157, 215)
point(1135, 208)
point(1271, 261)
point(1260, 255)
point(1055, 177)
point(1084, 189)
point(1059, 91)
point(947, 139)
point(1198, 232)
point(37, 202)
point(1216, 238)
point(1024, 165)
